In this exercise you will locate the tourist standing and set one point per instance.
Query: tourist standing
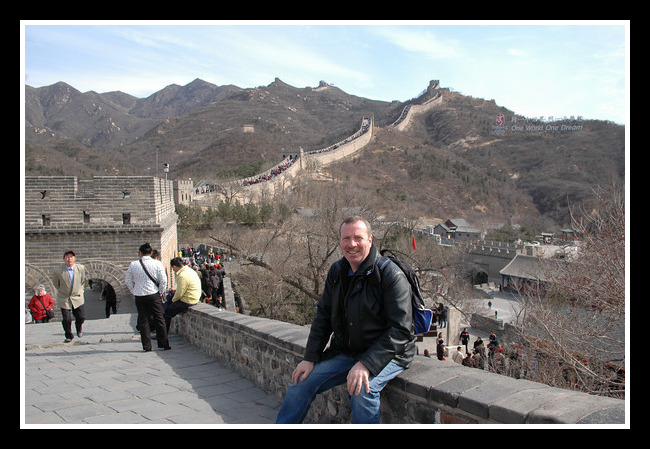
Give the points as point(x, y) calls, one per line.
point(108, 294)
point(464, 338)
point(147, 281)
point(70, 280)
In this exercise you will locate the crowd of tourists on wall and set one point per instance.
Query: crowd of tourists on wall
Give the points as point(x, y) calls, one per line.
point(290, 160)
point(493, 356)
point(275, 171)
point(208, 262)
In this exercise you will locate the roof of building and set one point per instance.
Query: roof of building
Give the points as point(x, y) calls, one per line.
point(525, 267)
point(461, 225)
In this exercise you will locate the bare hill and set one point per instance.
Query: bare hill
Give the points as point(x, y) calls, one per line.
point(454, 160)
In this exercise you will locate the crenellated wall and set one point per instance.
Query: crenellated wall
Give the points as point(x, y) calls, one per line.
point(278, 183)
point(429, 392)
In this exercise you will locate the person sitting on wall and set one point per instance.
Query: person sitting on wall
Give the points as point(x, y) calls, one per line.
point(188, 290)
point(367, 346)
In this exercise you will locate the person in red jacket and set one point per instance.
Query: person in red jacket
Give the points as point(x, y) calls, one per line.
point(40, 303)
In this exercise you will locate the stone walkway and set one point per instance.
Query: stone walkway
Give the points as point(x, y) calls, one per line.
point(105, 378)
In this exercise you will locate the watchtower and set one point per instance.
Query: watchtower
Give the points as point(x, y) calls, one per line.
point(104, 220)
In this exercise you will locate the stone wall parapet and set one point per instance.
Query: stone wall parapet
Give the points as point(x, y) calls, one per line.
point(430, 392)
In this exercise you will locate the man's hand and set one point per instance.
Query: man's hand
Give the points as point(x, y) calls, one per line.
point(357, 377)
point(302, 371)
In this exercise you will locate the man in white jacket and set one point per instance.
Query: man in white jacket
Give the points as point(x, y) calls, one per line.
point(147, 281)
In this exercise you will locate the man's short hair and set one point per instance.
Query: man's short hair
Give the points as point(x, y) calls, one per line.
point(176, 262)
point(353, 219)
point(145, 249)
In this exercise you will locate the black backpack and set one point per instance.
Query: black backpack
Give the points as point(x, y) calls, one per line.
point(422, 316)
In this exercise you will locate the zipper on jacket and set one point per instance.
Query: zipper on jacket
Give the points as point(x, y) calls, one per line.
point(353, 281)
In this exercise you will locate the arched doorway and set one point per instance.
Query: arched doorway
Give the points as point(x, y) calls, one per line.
point(479, 277)
point(98, 301)
point(106, 276)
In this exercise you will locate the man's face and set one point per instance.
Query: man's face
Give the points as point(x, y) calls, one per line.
point(69, 259)
point(355, 243)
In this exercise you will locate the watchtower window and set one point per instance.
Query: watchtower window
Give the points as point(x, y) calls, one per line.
point(46, 219)
point(126, 218)
point(86, 217)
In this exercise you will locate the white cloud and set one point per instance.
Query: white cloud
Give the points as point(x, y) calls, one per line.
point(420, 40)
point(516, 52)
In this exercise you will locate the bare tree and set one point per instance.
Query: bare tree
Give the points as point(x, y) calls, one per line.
point(575, 322)
point(284, 261)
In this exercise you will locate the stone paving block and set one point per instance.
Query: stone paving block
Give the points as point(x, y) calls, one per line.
point(207, 391)
point(53, 404)
point(222, 404)
point(127, 404)
point(127, 417)
point(206, 418)
point(123, 384)
point(246, 396)
point(106, 397)
point(33, 416)
point(152, 390)
point(178, 397)
point(78, 414)
point(153, 410)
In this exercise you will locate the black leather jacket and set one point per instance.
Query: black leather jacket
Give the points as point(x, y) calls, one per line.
point(364, 325)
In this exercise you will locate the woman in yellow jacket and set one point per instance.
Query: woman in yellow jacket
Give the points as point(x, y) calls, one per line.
point(188, 290)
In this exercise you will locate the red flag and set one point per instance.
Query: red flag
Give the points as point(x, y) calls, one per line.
point(413, 241)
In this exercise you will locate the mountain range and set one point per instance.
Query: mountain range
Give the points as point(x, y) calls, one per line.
point(465, 157)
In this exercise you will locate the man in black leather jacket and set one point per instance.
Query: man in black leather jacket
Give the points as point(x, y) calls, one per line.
point(371, 330)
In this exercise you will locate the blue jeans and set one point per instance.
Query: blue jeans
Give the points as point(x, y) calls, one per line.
point(328, 374)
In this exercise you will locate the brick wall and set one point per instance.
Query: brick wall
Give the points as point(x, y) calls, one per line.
point(104, 220)
point(430, 391)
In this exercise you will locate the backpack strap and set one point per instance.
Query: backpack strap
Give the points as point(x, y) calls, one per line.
point(382, 264)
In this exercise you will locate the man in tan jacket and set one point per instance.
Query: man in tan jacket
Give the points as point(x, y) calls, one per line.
point(70, 280)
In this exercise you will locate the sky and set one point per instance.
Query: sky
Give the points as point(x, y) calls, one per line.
point(536, 69)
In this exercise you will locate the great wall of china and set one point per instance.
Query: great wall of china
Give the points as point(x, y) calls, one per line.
point(279, 177)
